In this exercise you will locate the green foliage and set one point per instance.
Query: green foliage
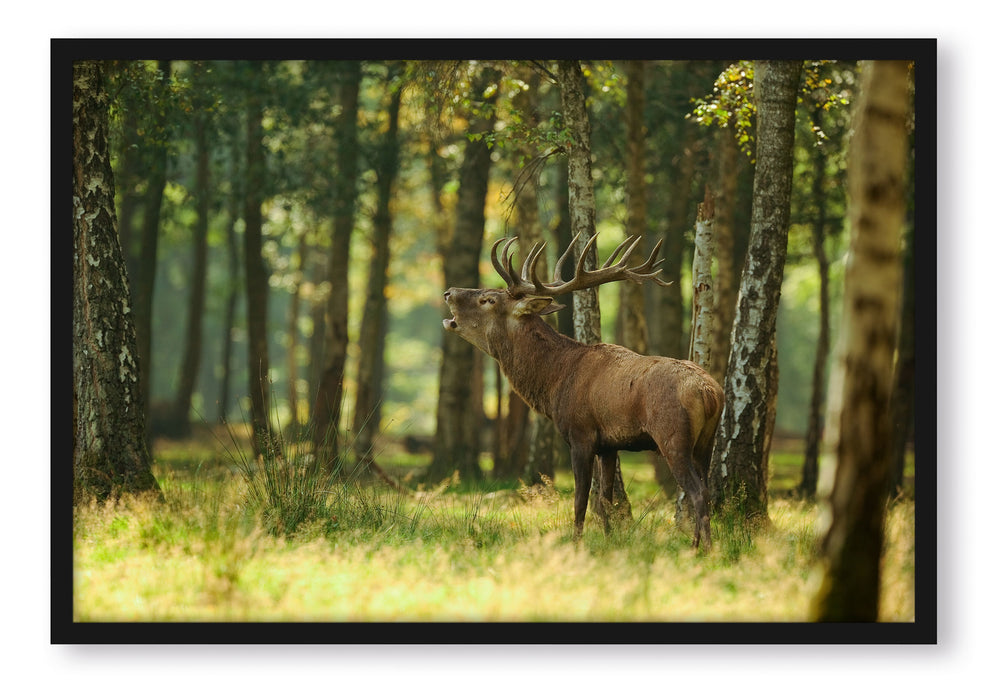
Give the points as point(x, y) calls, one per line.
point(731, 105)
point(825, 87)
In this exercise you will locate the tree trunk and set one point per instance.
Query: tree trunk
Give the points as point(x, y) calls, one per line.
point(374, 323)
point(562, 235)
point(292, 333)
point(144, 284)
point(230, 311)
point(581, 207)
point(668, 322)
point(855, 475)
point(457, 441)
point(703, 315)
point(738, 476)
point(109, 449)
point(809, 468)
point(902, 398)
point(319, 264)
point(703, 318)
point(189, 370)
point(129, 176)
point(255, 270)
point(330, 394)
point(631, 321)
point(727, 281)
point(581, 196)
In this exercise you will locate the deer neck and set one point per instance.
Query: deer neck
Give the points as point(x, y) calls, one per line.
point(536, 359)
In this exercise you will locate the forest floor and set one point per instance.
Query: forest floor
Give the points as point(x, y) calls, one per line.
point(232, 542)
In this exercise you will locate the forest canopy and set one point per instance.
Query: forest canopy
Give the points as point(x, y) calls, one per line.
point(688, 106)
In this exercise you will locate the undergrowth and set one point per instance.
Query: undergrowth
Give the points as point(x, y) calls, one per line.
point(280, 539)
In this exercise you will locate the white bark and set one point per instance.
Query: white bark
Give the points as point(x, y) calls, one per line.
point(703, 316)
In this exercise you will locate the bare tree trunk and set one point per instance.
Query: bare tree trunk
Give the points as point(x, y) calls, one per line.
point(457, 442)
point(330, 393)
point(189, 370)
point(703, 315)
point(319, 265)
point(255, 270)
point(562, 236)
point(144, 284)
point(902, 398)
point(374, 323)
point(129, 176)
point(809, 468)
point(738, 474)
point(292, 331)
point(631, 322)
point(234, 270)
point(581, 196)
point(581, 205)
point(855, 476)
point(727, 281)
point(109, 450)
point(667, 329)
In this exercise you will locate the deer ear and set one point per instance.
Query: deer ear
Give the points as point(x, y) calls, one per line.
point(536, 305)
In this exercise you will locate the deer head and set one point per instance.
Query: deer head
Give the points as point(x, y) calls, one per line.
point(485, 316)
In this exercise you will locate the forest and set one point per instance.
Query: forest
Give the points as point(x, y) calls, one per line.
point(277, 238)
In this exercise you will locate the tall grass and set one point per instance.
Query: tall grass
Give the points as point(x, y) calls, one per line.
point(276, 539)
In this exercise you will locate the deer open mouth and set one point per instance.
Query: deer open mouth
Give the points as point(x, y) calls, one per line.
point(450, 324)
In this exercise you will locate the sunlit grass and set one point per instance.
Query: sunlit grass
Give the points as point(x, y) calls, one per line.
point(369, 553)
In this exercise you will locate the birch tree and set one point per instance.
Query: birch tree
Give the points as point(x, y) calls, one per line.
point(703, 308)
point(739, 464)
point(854, 478)
point(109, 449)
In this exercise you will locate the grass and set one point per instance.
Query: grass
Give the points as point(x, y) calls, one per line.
point(228, 545)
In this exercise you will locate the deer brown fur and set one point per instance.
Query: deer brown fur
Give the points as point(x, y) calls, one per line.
point(603, 398)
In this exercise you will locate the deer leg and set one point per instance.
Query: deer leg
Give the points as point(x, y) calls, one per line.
point(702, 457)
point(702, 521)
point(607, 462)
point(682, 467)
point(582, 459)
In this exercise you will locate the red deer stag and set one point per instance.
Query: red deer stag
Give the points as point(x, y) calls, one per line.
point(603, 398)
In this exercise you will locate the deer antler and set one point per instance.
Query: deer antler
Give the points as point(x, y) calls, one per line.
point(527, 282)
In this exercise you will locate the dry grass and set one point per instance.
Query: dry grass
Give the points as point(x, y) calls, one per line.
point(373, 555)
